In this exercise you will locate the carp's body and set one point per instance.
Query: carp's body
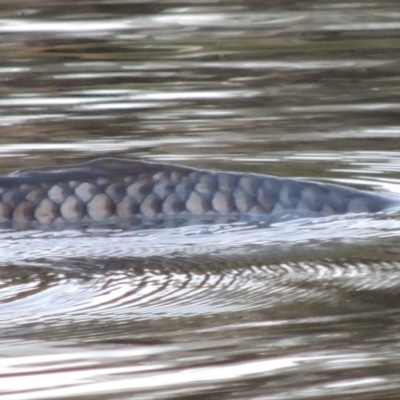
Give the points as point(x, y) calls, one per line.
point(137, 194)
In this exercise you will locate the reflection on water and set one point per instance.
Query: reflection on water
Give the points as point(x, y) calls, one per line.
point(297, 310)
point(277, 239)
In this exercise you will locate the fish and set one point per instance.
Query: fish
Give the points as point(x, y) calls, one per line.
point(139, 194)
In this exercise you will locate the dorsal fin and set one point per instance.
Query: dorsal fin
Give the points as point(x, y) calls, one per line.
point(100, 167)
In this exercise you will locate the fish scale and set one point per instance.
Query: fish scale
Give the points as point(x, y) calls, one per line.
point(114, 190)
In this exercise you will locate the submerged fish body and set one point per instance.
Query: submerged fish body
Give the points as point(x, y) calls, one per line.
point(137, 194)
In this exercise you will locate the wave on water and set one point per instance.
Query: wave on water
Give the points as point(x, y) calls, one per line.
point(306, 234)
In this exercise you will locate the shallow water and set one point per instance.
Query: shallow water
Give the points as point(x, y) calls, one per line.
point(303, 309)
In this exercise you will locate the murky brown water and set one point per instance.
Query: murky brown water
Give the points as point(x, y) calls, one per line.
point(307, 309)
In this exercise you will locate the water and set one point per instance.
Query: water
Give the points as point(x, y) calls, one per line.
point(306, 309)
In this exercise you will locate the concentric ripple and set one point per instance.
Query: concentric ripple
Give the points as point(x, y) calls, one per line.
point(158, 287)
point(197, 271)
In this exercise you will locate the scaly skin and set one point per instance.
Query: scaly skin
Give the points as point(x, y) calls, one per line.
point(133, 194)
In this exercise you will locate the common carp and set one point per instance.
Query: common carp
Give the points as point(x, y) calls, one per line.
point(127, 193)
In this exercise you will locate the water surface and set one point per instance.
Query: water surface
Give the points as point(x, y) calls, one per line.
point(303, 309)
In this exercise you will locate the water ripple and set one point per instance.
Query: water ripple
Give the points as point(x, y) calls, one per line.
point(278, 239)
point(120, 289)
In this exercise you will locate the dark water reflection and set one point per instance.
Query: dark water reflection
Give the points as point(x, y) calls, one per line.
point(301, 310)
